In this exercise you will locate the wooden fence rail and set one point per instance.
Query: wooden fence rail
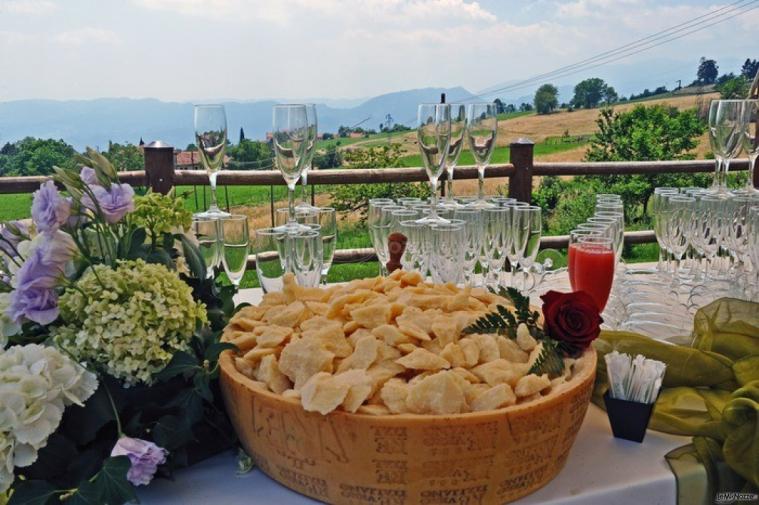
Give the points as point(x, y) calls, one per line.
point(161, 175)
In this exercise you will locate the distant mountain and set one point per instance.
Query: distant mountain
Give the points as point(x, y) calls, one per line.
point(95, 122)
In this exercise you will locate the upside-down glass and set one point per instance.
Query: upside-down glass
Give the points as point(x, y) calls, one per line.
point(313, 136)
point(235, 246)
point(206, 230)
point(447, 252)
point(268, 249)
point(210, 122)
point(593, 266)
point(473, 239)
point(433, 132)
point(725, 132)
point(750, 140)
point(482, 130)
point(290, 138)
point(458, 130)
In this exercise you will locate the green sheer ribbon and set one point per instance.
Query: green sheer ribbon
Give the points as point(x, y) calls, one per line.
point(710, 392)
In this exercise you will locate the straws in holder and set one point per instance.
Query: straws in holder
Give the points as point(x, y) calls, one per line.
point(634, 379)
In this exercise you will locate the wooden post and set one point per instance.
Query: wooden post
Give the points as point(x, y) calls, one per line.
point(159, 166)
point(520, 185)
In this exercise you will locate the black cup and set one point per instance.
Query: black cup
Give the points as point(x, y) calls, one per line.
point(629, 420)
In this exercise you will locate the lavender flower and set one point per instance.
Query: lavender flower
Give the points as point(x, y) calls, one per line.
point(34, 296)
point(57, 248)
point(49, 209)
point(10, 235)
point(113, 204)
point(145, 457)
point(88, 176)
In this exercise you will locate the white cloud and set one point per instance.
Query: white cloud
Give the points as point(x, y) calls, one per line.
point(88, 35)
point(28, 6)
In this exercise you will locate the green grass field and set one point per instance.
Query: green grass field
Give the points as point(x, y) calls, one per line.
point(500, 154)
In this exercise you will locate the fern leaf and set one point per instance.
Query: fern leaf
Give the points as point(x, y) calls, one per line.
point(549, 361)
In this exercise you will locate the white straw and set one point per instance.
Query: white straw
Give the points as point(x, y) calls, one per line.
point(634, 379)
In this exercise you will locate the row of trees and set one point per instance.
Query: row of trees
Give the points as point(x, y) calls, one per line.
point(588, 94)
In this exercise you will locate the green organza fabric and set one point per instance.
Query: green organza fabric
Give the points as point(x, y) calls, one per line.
point(710, 392)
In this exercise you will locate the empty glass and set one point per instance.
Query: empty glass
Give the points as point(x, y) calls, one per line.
point(496, 244)
point(750, 140)
point(206, 230)
point(535, 230)
point(235, 246)
point(458, 130)
point(381, 219)
point(726, 128)
point(433, 132)
point(415, 256)
point(473, 239)
point(268, 250)
point(290, 138)
point(447, 253)
point(211, 138)
point(305, 256)
point(313, 137)
point(482, 130)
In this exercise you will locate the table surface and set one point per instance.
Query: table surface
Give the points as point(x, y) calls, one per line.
point(600, 470)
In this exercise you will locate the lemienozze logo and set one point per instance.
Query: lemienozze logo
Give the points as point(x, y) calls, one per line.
point(730, 497)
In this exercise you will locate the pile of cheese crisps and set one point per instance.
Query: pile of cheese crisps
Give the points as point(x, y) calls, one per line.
point(386, 345)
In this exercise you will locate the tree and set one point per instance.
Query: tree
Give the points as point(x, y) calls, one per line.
point(546, 99)
point(191, 147)
point(330, 158)
point(591, 92)
point(343, 131)
point(125, 156)
point(525, 107)
point(499, 107)
point(250, 155)
point(33, 156)
point(707, 71)
point(327, 136)
point(242, 135)
point(510, 108)
point(610, 95)
point(734, 87)
point(749, 68)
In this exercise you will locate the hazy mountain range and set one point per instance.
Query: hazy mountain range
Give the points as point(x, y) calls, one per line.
point(95, 122)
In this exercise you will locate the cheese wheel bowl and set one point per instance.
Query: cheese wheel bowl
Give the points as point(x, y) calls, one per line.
point(488, 457)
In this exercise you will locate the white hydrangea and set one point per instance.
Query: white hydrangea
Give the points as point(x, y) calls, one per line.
point(37, 383)
point(8, 328)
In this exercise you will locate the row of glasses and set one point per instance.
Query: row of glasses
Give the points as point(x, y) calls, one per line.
point(278, 251)
point(321, 219)
point(732, 128)
point(223, 241)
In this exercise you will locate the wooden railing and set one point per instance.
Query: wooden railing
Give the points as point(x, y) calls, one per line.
point(160, 175)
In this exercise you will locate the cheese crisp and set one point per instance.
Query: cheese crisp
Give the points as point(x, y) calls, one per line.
point(386, 345)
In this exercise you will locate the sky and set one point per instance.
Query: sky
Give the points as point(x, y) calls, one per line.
point(185, 50)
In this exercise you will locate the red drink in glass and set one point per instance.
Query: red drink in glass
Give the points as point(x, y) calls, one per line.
point(593, 266)
point(570, 265)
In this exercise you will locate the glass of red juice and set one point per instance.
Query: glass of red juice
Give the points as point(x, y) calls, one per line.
point(574, 239)
point(593, 262)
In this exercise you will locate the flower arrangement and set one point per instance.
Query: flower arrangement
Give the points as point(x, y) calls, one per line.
point(108, 342)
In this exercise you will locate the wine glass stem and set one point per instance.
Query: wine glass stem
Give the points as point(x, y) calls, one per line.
point(433, 189)
point(750, 180)
point(449, 185)
point(212, 179)
point(726, 164)
point(481, 181)
point(304, 177)
point(291, 203)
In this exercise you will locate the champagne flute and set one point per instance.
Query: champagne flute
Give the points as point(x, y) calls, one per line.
point(433, 133)
point(535, 230)
point(206, 231)
point(211, 138)
point(750, 141)
point(268, 248)
point(235, 245)
point(482, 129)
point(725, 132)
point(310, 151)
point(458, 129)
point(290, 138)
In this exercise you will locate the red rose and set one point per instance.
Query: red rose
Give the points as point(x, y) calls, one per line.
point(572, 318)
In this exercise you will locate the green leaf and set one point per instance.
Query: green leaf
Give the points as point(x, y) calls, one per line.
point(88, 493)
point(193, 257)
point(111, 482)
point(501, 322)
point(549, 361)
point(132, 245)
point(203, 387)
point(32, 492)
point(182, 363)
point(172, 432)
point(214, 350)
point(190, 403)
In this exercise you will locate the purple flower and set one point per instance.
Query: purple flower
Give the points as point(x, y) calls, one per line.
point(34, 296)
point(88, 176)
point(114, 203)
point(49, 209)
point(57, 248)
point(11, 234)
point(145, 457)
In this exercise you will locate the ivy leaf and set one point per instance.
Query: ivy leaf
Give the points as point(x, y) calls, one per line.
point(182, 363)
point(214, 350)
point(111, 482)
point(549, 361)
point(194, 259)
point(32, 492)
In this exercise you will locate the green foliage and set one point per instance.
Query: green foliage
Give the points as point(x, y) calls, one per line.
point(355, 197)
point(749, 68)
point(592, 92)
point(329, 158)
point(125, 156)
point(160, 214)
point(707, 71)
point(250, 155)
point(32, 156)
point(733, 87)
point(546, 99)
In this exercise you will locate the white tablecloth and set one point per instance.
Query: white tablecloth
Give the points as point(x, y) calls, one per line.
point(600, 470)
